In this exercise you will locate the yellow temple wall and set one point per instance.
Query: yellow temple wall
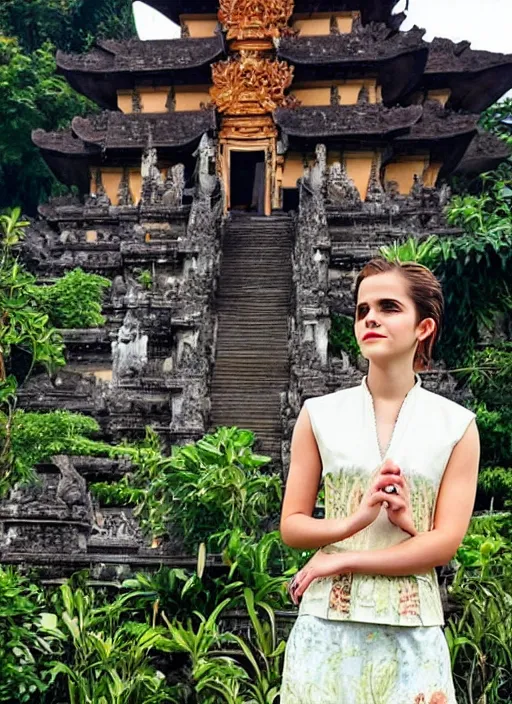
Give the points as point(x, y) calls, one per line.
point(293, 169)
point(431, 173)
point(191, 98)
point(154, 99)
point(359, 167)
point(111, 180)
point(319, 93)
point(319, 23)
point(404, 168)
point(442, 95)
point(199, 26)
point(124, 101)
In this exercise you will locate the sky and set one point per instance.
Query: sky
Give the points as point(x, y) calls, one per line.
point(485, 23)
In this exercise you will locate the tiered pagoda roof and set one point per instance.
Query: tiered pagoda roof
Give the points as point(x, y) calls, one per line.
point(347, 121)
point(485, 152)
point(114, 65)
point(397, 58)
point(371, 10)
point(403, 65)
point(70, 152)
point(476, 79)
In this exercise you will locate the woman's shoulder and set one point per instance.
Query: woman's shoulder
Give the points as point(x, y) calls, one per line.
point(333, 399)
point(444, 413)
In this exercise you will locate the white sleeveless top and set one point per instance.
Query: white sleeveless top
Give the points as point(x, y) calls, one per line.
point(427, 429)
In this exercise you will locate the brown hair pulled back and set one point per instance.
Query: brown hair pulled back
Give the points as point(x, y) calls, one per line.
point(426, 293)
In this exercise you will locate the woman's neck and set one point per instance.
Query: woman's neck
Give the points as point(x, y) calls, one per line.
point(390, 384)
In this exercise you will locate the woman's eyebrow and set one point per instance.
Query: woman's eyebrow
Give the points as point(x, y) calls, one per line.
point(382, 300)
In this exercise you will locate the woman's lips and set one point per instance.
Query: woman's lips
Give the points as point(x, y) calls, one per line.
point(372, 336)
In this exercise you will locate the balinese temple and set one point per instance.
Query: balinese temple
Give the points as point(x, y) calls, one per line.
point(231, 184)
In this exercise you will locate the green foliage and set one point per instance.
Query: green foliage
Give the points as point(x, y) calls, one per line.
point(145, 278)
point(496, 483)
point(105, 660)
point(491, 119)
point(32, 97)
point(37, 436)
point(71, 25)
point(23, 324)
point(342, 338)
point(25, 649)
point(495, 428)
point(475, 269)
point(480, 634)
point(74, 301)
point(209, 486)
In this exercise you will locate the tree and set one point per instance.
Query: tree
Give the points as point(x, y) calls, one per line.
point(32, 95)
point(70, 25)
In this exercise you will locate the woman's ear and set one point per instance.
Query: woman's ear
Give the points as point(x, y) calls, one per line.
point(426, 327)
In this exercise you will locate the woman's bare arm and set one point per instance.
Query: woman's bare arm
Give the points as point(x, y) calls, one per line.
point(426, 550)
point(298, 528)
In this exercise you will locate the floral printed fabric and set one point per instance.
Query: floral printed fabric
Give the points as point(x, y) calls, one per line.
point(397, 601)
point(328, 662)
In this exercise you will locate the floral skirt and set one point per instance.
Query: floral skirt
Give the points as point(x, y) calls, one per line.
point(347, 662)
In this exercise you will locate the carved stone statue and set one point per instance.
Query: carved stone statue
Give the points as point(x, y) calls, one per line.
point(72, 487)
point(341, 190)
point(130, 350)
point(174, 186)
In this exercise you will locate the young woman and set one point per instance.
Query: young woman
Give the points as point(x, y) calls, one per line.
point(399, 465)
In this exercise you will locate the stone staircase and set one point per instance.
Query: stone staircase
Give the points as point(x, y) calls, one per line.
point(253, 305)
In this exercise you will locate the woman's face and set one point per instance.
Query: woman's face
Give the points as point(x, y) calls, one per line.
point(384, 306)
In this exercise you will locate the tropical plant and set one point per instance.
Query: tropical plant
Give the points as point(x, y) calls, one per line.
point(342, 338)
point(214, 673)
point(493, 119)
point(264, 652)
point(212, 485)
point(74, 301)
point(106, 661)
point(28, 334)
point(26, 650)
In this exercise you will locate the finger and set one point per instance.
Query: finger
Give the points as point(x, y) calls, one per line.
point(308, 578)
point(387, 480)
point(378, 498)
point(389, 465)
point(387, 471)
point(396, 503)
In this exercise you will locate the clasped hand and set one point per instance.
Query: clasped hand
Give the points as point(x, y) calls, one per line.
point(399, 511)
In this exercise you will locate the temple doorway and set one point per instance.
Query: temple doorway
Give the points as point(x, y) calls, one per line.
point(247, 181)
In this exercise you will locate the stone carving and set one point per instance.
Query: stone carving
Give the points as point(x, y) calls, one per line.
point(136, 101)
point(174, 186)
point(100, 198)
point(153, 185)
point(129, 351)
point(72, 487)
point(335, 96)
point(124, 193)
point(250, 19)
point(333, 25)
point(341, 190)
point(171, 100)
point(52, 516)
point(185, 32)
point(250, 84)
point(375, 196)
point(363, 97)
point(202, 216)
point(116, 525)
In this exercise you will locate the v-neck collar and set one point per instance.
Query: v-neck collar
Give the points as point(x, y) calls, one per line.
point(400, 423)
